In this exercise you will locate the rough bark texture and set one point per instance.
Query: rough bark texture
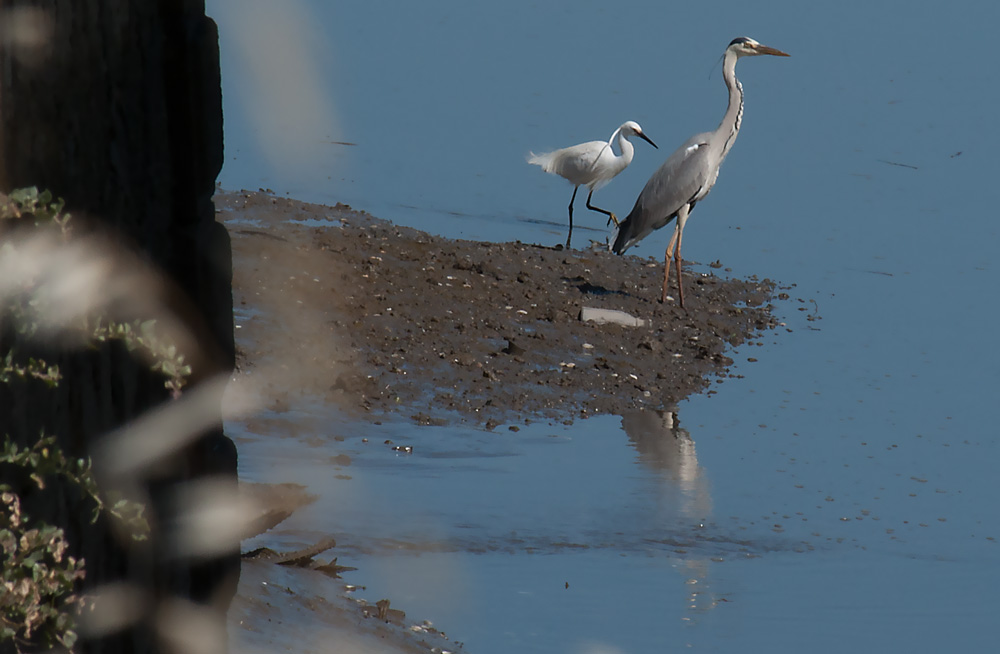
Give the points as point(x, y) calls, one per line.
point(120, 114)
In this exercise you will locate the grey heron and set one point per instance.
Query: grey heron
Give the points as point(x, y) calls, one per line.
point(592, 164)
point(687, 175)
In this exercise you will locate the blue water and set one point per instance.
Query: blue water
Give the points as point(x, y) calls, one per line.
point(841, 496)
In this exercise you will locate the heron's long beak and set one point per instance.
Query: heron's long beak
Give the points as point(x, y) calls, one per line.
point(647, 140)
point(766, 49)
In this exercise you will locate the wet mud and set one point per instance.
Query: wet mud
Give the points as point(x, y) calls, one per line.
point(344, 307)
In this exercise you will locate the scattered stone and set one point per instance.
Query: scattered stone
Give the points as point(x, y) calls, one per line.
point(513, 349)
point(605, 316)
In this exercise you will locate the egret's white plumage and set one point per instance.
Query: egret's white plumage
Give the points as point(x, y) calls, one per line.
point(592, 164)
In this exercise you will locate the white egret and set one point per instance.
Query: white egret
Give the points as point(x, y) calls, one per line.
point(592, 164)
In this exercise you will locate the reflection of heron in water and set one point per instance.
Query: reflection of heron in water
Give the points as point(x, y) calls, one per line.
point(669, 450)
point(663, 445)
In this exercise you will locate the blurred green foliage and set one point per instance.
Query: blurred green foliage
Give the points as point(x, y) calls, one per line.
point(39, 582)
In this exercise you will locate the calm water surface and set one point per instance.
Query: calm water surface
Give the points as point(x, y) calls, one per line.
point(841, 496)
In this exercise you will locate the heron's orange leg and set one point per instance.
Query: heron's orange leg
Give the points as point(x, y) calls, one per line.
point(677, 259)
point(666, 264)
point(682, 216)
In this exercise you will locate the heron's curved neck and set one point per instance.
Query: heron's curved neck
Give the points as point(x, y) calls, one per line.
point(730, 125)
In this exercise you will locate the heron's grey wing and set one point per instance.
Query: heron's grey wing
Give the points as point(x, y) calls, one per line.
point(681, 179)
point(678, 181)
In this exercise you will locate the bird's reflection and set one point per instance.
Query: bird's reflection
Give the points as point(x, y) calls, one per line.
point(666, 447)
point(669, 450)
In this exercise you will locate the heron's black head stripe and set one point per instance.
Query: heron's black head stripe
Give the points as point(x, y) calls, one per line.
point(739, 39)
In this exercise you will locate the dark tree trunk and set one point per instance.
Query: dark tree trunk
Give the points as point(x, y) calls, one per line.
point(120, 114)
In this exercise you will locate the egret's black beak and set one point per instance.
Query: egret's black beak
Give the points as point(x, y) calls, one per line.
point(647, 140)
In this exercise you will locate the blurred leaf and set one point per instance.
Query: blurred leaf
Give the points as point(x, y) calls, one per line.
point(24, 195)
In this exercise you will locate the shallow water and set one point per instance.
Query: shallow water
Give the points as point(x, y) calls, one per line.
point(840, 495)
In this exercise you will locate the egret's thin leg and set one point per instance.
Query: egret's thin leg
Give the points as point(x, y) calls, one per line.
point(666, 264)
point(611, 216)
point(571, 200)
